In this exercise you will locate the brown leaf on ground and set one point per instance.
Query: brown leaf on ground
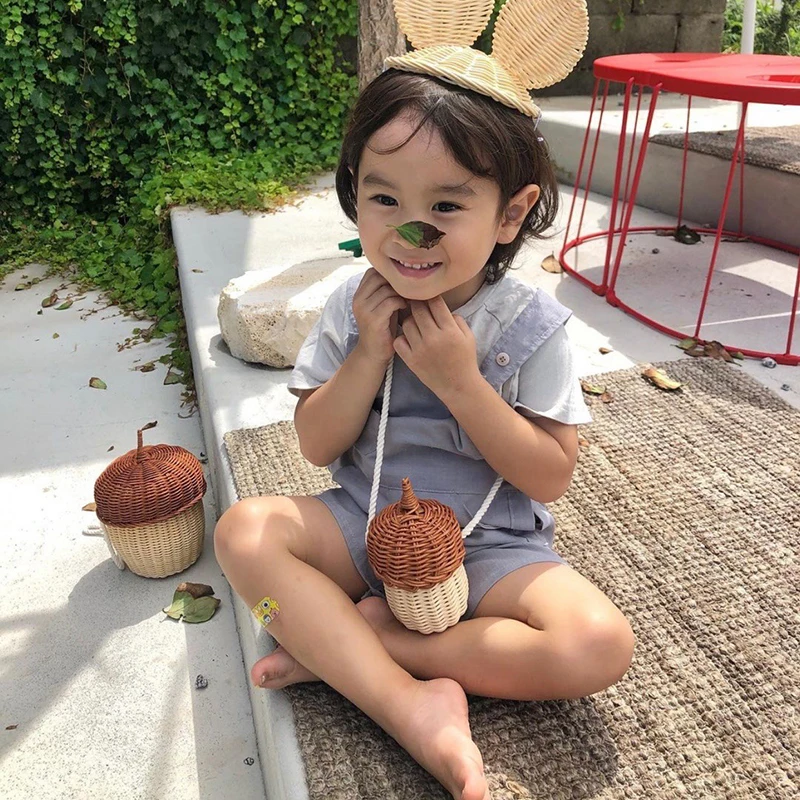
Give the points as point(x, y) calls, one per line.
point(605, 351)
point(660, 379)
point(591, 388)
point(552, 264)
point(716, 350)
point(195, 589)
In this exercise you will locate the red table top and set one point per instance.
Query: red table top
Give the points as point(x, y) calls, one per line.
point(746, 78)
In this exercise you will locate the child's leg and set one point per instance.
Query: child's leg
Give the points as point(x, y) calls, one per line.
point(261, 544)
point(543, 632)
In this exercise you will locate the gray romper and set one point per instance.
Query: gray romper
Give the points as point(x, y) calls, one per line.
point(524, 353)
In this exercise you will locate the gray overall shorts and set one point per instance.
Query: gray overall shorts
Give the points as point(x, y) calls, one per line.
point(425, 443)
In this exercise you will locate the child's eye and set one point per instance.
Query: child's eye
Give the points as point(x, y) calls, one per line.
point(379, 198)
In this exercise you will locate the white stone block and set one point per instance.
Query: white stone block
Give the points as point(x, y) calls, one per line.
point(266, 315)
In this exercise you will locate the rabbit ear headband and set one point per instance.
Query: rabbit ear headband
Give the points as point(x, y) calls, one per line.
point(536, 43)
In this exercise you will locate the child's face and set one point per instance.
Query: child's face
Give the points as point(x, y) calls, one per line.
point(468, 218)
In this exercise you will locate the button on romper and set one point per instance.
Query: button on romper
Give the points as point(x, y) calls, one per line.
point(425, 443)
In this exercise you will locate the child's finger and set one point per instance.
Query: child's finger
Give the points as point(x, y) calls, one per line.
point(462, 324)
point(422, 315)
point(402, 348)
point(439, 311)
point(390, 305)
point(412, 332)
point(376, 300)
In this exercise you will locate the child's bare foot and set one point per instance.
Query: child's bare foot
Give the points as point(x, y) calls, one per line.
point(280, 668)
point(437, 735)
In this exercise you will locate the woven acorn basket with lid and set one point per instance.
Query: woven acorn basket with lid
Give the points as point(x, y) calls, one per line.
point(416, 548)
point(150, 503)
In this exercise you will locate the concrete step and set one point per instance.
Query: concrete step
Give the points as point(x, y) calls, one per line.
point(772, 197)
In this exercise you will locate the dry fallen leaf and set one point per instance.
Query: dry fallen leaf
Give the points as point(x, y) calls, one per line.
point(193, 602)
point(660, 379)
point(606, 350)
point(195, 589)
point(90, 507)
point(591, 388)
point(51, 300)
point(552, 264)
point(686, 235)
point(716, 350)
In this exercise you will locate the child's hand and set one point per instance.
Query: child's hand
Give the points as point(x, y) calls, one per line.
point(375, 307)
point(438, 347)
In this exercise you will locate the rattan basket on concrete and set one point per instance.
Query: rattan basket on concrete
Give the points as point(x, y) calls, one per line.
point(150, 503)
point(416, 548)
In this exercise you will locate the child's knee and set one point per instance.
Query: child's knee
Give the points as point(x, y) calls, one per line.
point(244, 530)
point(604, 647)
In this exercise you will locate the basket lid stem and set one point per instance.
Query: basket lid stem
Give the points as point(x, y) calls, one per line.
point(139, 438)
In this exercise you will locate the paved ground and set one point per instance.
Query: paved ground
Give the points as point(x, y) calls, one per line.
point(97, 696)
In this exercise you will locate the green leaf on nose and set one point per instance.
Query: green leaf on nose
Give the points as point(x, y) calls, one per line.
point(420, 234)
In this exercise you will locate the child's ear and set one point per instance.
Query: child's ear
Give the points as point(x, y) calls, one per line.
point(516, 212)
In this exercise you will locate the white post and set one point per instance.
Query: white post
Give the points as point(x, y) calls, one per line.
point(748, 26)
point(748, 35)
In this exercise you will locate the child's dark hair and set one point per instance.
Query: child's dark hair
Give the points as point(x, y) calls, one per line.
point(485, 137)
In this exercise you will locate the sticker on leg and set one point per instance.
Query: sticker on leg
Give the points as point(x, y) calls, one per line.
point(266, 610)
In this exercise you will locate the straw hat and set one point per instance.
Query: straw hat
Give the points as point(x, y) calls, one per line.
point(536, 43)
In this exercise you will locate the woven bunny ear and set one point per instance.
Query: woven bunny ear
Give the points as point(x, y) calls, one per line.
point(536, 43)
point(427, 23)
point(540, 41)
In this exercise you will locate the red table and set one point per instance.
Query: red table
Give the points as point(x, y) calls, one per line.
point(742, 78)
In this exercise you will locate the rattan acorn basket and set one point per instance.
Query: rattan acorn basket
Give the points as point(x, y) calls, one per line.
point(415, 547)
point(150, 503)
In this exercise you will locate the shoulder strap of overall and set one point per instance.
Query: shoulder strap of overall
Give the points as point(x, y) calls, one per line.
point(540, 318)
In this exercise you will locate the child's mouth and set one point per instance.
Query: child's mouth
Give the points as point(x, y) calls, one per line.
point(416, 272)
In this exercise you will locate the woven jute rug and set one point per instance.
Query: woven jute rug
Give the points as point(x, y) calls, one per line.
point(685, 510)
point(773, 148)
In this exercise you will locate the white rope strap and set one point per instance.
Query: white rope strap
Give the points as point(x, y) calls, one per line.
point(376, 476)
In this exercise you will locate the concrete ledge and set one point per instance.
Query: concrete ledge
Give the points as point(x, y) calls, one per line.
point(233, 394)
point(564, 126)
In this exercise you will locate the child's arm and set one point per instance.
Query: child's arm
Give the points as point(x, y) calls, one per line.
point(537, 457)
point(330, 418)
